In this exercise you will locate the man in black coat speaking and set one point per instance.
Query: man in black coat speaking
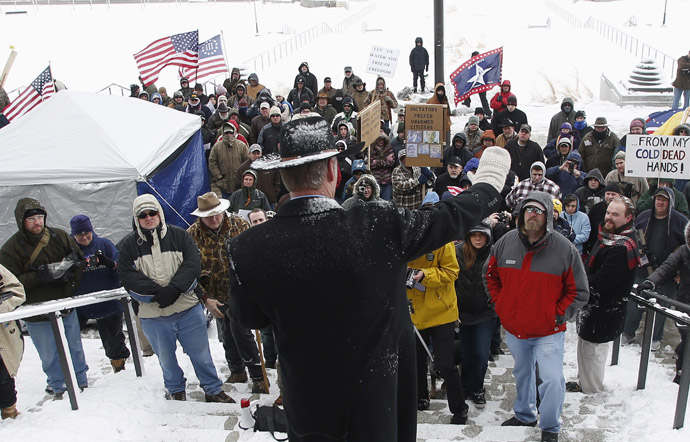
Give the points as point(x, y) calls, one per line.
point(336, 295)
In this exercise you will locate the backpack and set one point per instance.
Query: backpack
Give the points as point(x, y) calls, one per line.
point(271, 419)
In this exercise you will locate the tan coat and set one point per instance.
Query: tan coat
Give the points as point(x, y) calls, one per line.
point(11, 343)
point(224, 161)
point(386, 98)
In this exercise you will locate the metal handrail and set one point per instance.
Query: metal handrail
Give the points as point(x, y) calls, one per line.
point(53, 310)
point(650, 301)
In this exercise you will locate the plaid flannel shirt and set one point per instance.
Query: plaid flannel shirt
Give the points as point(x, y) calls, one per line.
point(407, 190)
point(525, 187)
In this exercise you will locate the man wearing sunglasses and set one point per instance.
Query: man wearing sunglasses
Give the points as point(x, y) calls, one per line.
point(536, 280)
point(159, 265)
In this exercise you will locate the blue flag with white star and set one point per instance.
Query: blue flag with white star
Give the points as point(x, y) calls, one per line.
point(478, 74)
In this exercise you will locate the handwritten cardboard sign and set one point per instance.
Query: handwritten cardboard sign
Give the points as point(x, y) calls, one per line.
point(383, 61)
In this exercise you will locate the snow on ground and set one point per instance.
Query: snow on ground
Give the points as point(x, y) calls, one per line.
point(92, 46)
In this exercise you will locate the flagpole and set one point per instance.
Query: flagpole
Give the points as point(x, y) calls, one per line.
point(225, 53)
point(8, 66)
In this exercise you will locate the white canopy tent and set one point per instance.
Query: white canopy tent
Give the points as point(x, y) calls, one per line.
point(84, 153)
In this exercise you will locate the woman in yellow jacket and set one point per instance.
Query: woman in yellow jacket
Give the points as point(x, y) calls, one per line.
point(434, 313)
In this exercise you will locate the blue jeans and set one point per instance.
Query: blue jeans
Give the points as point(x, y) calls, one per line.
point(475, 344)
point(188, 327)
point(676, 98)
point(546, 351)
point(634, 314)
point(42, 336)
point(386, 191)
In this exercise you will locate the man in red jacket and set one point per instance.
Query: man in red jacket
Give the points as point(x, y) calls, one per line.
point(536, 280)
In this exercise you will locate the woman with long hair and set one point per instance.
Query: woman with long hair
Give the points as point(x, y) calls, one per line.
point(477, 317)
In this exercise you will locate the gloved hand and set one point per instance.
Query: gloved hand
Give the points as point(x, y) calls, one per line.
point(103, 260)
point(388, 100)
point(242, 103)
point(645, 285)
point(166, 296)
point(493, 168)
point(422, 179)
point(500, 100)
point(427, 172)
point(44, 274)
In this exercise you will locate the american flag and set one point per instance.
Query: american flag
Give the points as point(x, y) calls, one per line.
point(211, 61)
point(40, 89)
point(177, 50)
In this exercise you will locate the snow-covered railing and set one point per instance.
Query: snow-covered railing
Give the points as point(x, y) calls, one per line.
point(52, 309)
point(650, 301)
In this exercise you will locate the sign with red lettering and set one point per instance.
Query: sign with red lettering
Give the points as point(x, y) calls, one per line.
point(657, 156)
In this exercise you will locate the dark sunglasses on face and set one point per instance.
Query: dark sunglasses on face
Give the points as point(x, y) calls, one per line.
point(144, 215)
point(536, 210)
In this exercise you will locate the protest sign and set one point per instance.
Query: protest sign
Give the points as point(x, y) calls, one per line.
point(383, 61)
point(424, 134)
point(657, 156)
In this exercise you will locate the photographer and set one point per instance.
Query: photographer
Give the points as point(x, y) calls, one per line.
point(11, 342)
point(366, 190)
point(100, 274)
point(431, 290)
point(49, 265)
point(568, 175)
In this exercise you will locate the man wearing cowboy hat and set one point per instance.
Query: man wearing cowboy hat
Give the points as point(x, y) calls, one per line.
point(346, 311)
point(597, 147)
point(213, 227)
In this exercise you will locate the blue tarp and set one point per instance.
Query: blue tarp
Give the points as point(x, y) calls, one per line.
point(180, 182)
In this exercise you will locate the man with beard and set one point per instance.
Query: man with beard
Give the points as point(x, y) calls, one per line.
point(597, 213)
point(597, 147)
point(610, 274)
point(449, 178)
point(536, 281)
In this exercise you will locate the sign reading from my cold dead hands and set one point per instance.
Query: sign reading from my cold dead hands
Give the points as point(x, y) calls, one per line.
point(383, 61)
point(424, 134)
point(657, 156)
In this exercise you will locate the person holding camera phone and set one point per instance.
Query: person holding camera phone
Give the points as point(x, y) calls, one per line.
point(568, 175)
point(100, 274)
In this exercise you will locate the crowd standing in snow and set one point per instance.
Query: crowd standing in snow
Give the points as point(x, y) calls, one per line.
point(457, 233)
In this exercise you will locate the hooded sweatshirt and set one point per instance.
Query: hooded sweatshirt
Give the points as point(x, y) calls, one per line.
point(358, 196)
point(561, 117)
point(152, 259)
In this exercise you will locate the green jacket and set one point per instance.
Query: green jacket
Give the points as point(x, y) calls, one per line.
point(15, 253)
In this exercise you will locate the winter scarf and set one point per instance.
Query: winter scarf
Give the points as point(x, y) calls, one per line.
point(626, 236)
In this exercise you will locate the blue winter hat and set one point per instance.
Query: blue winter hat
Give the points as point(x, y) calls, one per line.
point(430, 198)
point(472, 164)
point(80, 224)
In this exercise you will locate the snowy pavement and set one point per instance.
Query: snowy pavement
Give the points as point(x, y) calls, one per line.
point(122, 407)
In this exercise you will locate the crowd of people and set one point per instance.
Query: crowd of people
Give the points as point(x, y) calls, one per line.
point(502, 234)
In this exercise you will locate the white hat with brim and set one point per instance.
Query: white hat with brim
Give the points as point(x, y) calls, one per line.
point(210, 205)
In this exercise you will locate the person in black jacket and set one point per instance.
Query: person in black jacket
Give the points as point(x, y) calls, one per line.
point(477, 318)
point(678, 263)
point(610, 273)
point(310, 81)
point(512, 113)
point(358, 296)
point(419, 62)
point(523, 153)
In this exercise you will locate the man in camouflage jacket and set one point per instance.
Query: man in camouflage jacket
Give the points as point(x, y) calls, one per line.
point(210, 232)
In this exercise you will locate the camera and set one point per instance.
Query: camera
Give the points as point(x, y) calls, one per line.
point(409, 278)
point(503, 217)
point(571, 166)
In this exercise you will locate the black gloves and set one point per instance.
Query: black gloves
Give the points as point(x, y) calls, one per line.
point(103, 260)
point(646, 285)
point(47, 275)
point(427, 173)
point(166, 296)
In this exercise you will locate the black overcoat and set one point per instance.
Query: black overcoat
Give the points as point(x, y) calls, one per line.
point(336, 298)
